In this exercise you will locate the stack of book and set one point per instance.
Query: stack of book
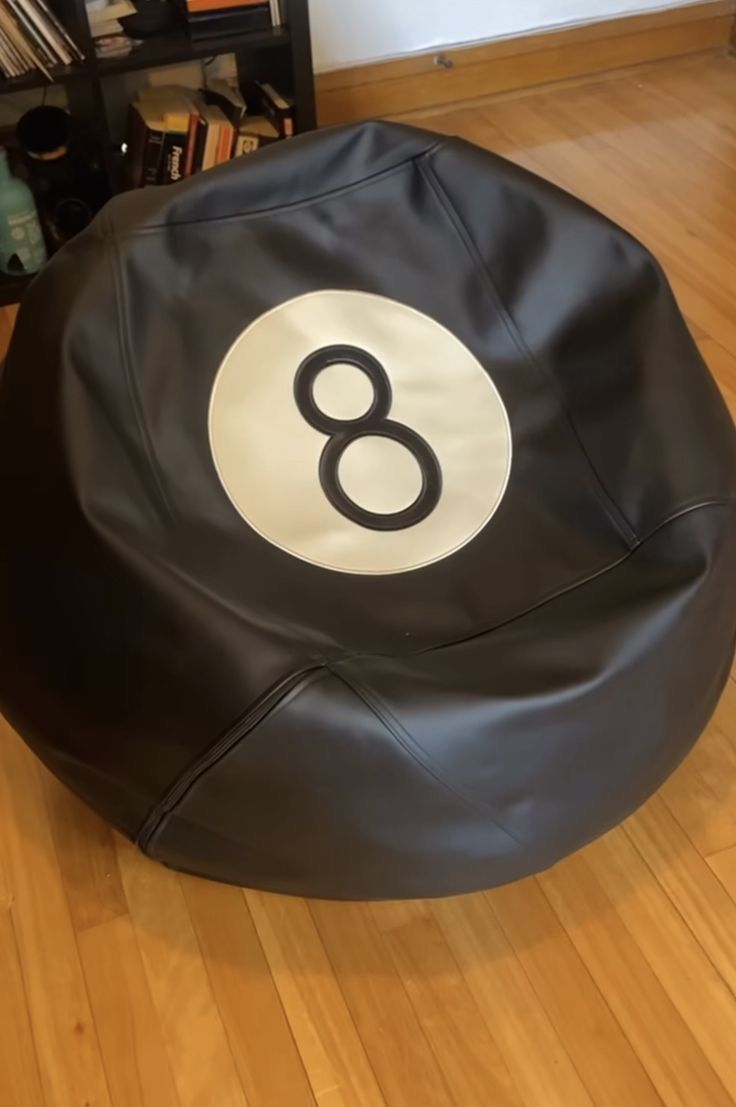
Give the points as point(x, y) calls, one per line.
point(31, 37)
point(174, 132)
point(209, 18)
point(106, 29)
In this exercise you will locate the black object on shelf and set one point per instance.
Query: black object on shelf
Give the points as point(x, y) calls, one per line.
point(151, 18)
point(65, 169)
point(279, 54)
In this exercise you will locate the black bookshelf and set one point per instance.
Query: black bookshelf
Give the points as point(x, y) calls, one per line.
point(282, 54)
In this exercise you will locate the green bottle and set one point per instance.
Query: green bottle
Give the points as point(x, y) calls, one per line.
point(22, 248)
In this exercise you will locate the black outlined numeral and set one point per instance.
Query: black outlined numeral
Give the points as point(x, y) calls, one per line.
point(342, 433)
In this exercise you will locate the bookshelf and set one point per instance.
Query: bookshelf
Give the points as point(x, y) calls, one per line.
point(283, 54)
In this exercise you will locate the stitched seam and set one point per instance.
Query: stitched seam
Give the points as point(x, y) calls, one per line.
point(402, 736)
point(121, 304)
point(239, 730)
point(280, 209)
point(612, 509)
point(726, 501)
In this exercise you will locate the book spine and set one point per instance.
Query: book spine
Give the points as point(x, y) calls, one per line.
point(47, 32)
point(211, 145)
point(277, 109)
point(192, 134)
point(22, 46)
point(236, 21)
point(8, 60)
point(59, 28)
point(225, 145)
point(31, 33)
point(152, 156)
point(173, 153)
point(197, 7)
point(199, 145)
point(136, 138)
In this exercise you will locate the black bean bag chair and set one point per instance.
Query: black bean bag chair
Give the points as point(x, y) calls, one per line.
point(369, 520)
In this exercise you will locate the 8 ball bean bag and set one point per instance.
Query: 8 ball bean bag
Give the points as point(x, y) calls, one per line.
point(369, 520)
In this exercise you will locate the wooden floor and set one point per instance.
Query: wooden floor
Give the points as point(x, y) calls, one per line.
point(609, 981)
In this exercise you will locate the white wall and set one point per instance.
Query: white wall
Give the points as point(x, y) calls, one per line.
point(350, 31)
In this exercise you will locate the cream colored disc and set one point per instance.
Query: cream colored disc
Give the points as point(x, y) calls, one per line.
point(358, 434)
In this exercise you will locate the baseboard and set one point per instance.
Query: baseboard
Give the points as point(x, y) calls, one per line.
point(467, 73)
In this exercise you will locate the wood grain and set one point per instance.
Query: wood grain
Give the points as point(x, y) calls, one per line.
point(67, 1048)
point(418, 82)
point(20, 1083)
point(679, 961)
point(401, 1056)
point(663, 1041)
point(609, 981)
point(334, 1056)
point(138, 1071)
point(247, 997)
point(723, 865)
point(87, 858)
point(509, 1005)
point(447, 1012)
point(195, 1038)
point(594, 1040)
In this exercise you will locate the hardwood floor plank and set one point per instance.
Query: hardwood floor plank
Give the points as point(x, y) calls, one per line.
point(662, 1039)
point(331, 1049)
point(721, 362)
point(704, 905)
point(723, 865)
point(130, 1035)
point(87, 858)
point(247, 997)
point(20, 1083)
point(537, 1060)
point(702, 793)
point(402, 1059)
point(68, 1052)
point(681, 965)
point(725, 716)
point(641, 153)
point(193, 1032)
point(461, 1041)
point(602, 1055)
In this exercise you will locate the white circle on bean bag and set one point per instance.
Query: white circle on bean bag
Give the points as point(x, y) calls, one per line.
point(267, 455)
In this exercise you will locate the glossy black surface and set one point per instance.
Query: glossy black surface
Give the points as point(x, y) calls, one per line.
point(262, 720)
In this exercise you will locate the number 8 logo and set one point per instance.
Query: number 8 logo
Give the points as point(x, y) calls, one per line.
point(342, 433)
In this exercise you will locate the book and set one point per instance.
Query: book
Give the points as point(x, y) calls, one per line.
point(20, 45)
point(53, 41)
point(195, 120)
point(254, 133)
point(11, 65)
point(199, 145)
point(31, 32)
point(197, 6)
point(174, 149)
point(101, 13)
point(58, 27)
point(158, 132)
point(114, 46)
point(213, 24)
point(32, 37)
point(225, 144)
point(227, 98)
point(276, 107)
point(214, 120)
point(152, 156)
